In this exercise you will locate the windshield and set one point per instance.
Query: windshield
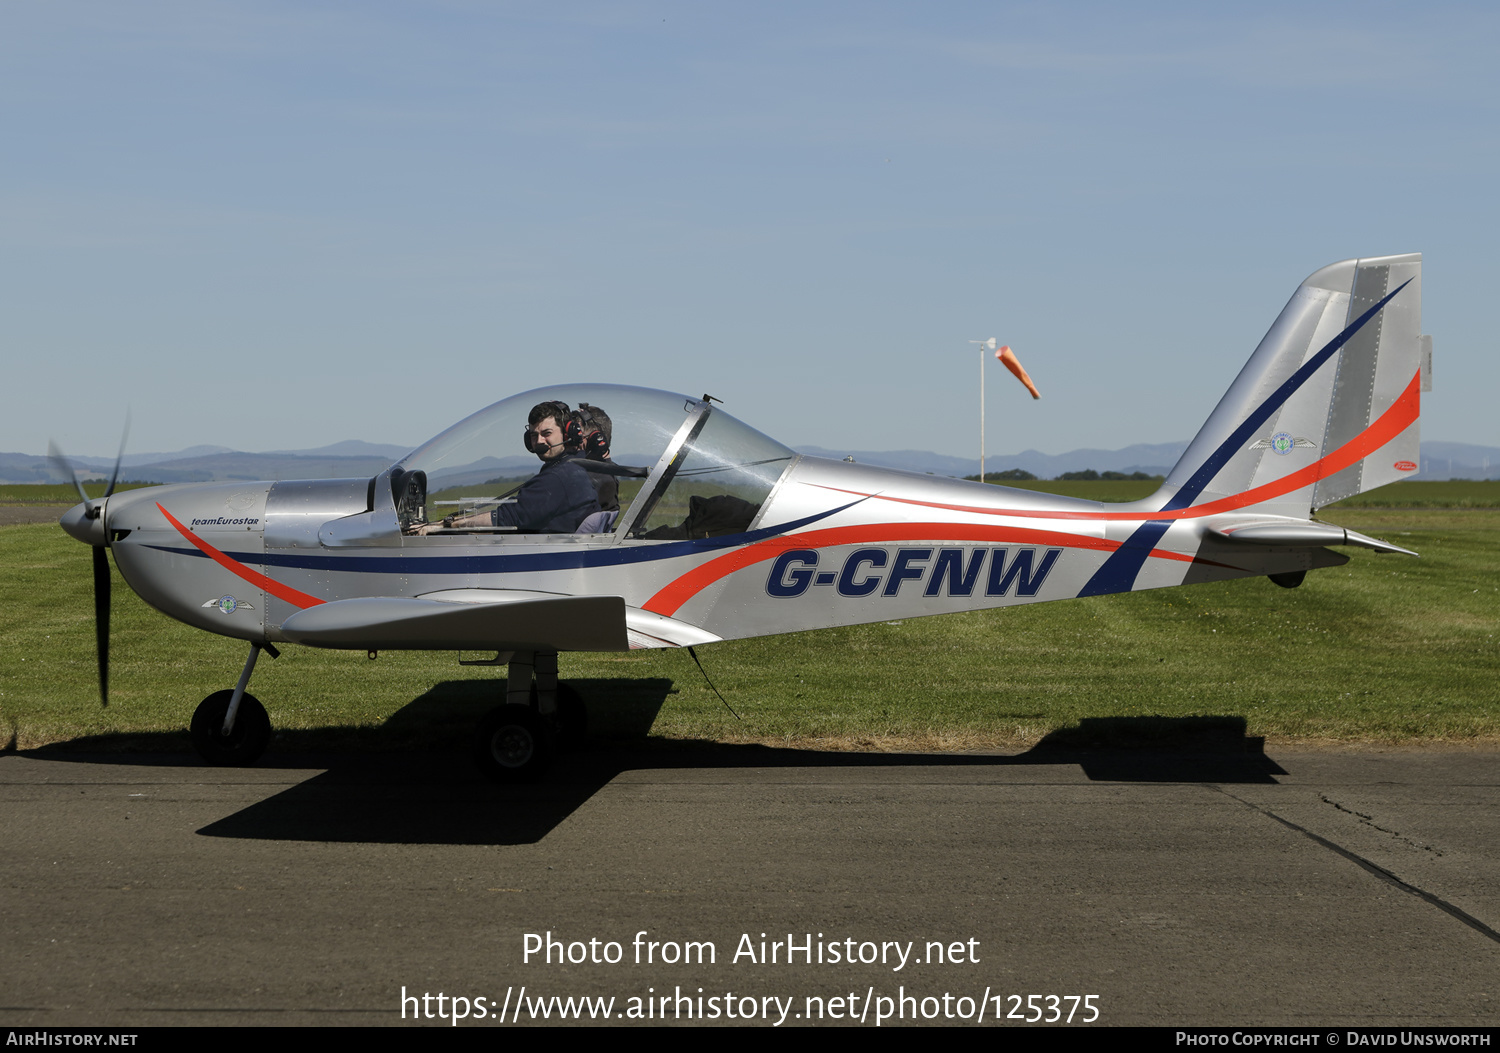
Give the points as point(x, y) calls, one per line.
point(723, 473)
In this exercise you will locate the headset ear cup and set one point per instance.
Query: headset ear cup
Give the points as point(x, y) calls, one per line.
point(595, 446)
point(528, 439)
point(573, 431)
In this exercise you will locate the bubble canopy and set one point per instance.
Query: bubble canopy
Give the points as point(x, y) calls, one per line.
point(687, 451)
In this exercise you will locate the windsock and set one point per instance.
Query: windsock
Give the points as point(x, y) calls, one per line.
point(1012, 363)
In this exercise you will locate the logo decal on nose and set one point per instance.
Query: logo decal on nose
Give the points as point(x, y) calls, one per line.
point(228, 604)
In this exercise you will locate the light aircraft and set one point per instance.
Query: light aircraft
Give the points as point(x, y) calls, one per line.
point(730, 534)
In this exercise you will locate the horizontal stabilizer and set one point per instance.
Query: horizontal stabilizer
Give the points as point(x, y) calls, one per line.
point(1294, 534)
point(540, 622)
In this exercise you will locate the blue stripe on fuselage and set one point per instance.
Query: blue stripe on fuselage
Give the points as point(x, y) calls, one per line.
point(575, 558)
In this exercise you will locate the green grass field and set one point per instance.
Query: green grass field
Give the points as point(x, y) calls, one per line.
point(1387, 649)
point(25, 494)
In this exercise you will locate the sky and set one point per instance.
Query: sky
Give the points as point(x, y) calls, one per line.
point(280, 225)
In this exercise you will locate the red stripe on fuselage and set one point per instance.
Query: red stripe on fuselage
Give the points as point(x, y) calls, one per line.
point(1401, 414)
point(275, 588)
point(673, 596)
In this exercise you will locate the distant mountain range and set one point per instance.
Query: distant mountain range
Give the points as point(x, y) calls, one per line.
point(200, 464)
point(1440, 460)
point(353, 459)
point(1151, 458)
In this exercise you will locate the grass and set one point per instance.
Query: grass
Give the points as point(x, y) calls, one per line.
point(1449, 493)
point(14, 494)
point(1384, 650)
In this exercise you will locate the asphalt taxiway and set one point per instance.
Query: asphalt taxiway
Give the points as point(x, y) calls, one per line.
point(1296, 888)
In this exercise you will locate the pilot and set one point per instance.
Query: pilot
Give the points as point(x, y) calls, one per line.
point(557, 498)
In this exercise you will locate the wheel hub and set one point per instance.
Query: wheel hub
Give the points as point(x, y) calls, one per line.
point(512, 746)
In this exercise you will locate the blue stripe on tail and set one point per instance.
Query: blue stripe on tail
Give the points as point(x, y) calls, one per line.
point(1120, 570)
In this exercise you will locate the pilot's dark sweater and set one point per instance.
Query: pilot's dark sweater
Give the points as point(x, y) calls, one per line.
point(554, 501)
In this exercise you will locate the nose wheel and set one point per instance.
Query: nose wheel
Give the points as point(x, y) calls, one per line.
point(245, 742)
point(230, 728)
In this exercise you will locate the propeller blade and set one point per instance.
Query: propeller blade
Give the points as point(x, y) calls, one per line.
point(1012, 363)
point(97, 535)
point(114, 476)
point(61, 463)
point(101, 618)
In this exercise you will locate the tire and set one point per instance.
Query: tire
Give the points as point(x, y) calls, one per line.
point(513, 744)
point(571, 720)
point(245, 744)
point(572, 717)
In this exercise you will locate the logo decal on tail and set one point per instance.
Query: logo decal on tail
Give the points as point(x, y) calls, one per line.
point(1283, 443)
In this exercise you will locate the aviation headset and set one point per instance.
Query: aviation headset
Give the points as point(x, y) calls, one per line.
point(566, 419)
point(573, 423)
point(596, 443)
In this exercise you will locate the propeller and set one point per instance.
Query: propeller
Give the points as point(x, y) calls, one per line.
point(91, 529)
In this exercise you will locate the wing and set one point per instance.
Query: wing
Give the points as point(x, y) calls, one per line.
point(518, 622)
point(488, 619)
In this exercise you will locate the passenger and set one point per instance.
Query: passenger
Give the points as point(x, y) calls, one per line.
point(555, 500)
point(597, 433)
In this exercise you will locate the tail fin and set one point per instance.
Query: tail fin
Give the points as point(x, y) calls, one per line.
point(1327, 406)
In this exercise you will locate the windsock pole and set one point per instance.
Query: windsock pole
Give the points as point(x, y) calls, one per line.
point(984, 345)
point(1008, 358)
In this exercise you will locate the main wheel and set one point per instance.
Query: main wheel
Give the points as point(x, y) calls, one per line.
point(245, 744)
point(513, 744)
point(572, 717)
point(571, 720)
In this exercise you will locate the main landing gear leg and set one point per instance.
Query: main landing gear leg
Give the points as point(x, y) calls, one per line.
point(559, 704)
point(230, 728)
point(518, 678)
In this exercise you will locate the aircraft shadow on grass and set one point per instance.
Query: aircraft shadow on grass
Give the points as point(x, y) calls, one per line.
point(410, 782)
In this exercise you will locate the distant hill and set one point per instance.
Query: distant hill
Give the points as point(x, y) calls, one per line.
point(1151, 458)
point(349, 448)
point(201, 464)
point(1440, 460)
point(354, 458)
point(1460, 460)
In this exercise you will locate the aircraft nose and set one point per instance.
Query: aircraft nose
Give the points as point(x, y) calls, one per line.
point(80, 523)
